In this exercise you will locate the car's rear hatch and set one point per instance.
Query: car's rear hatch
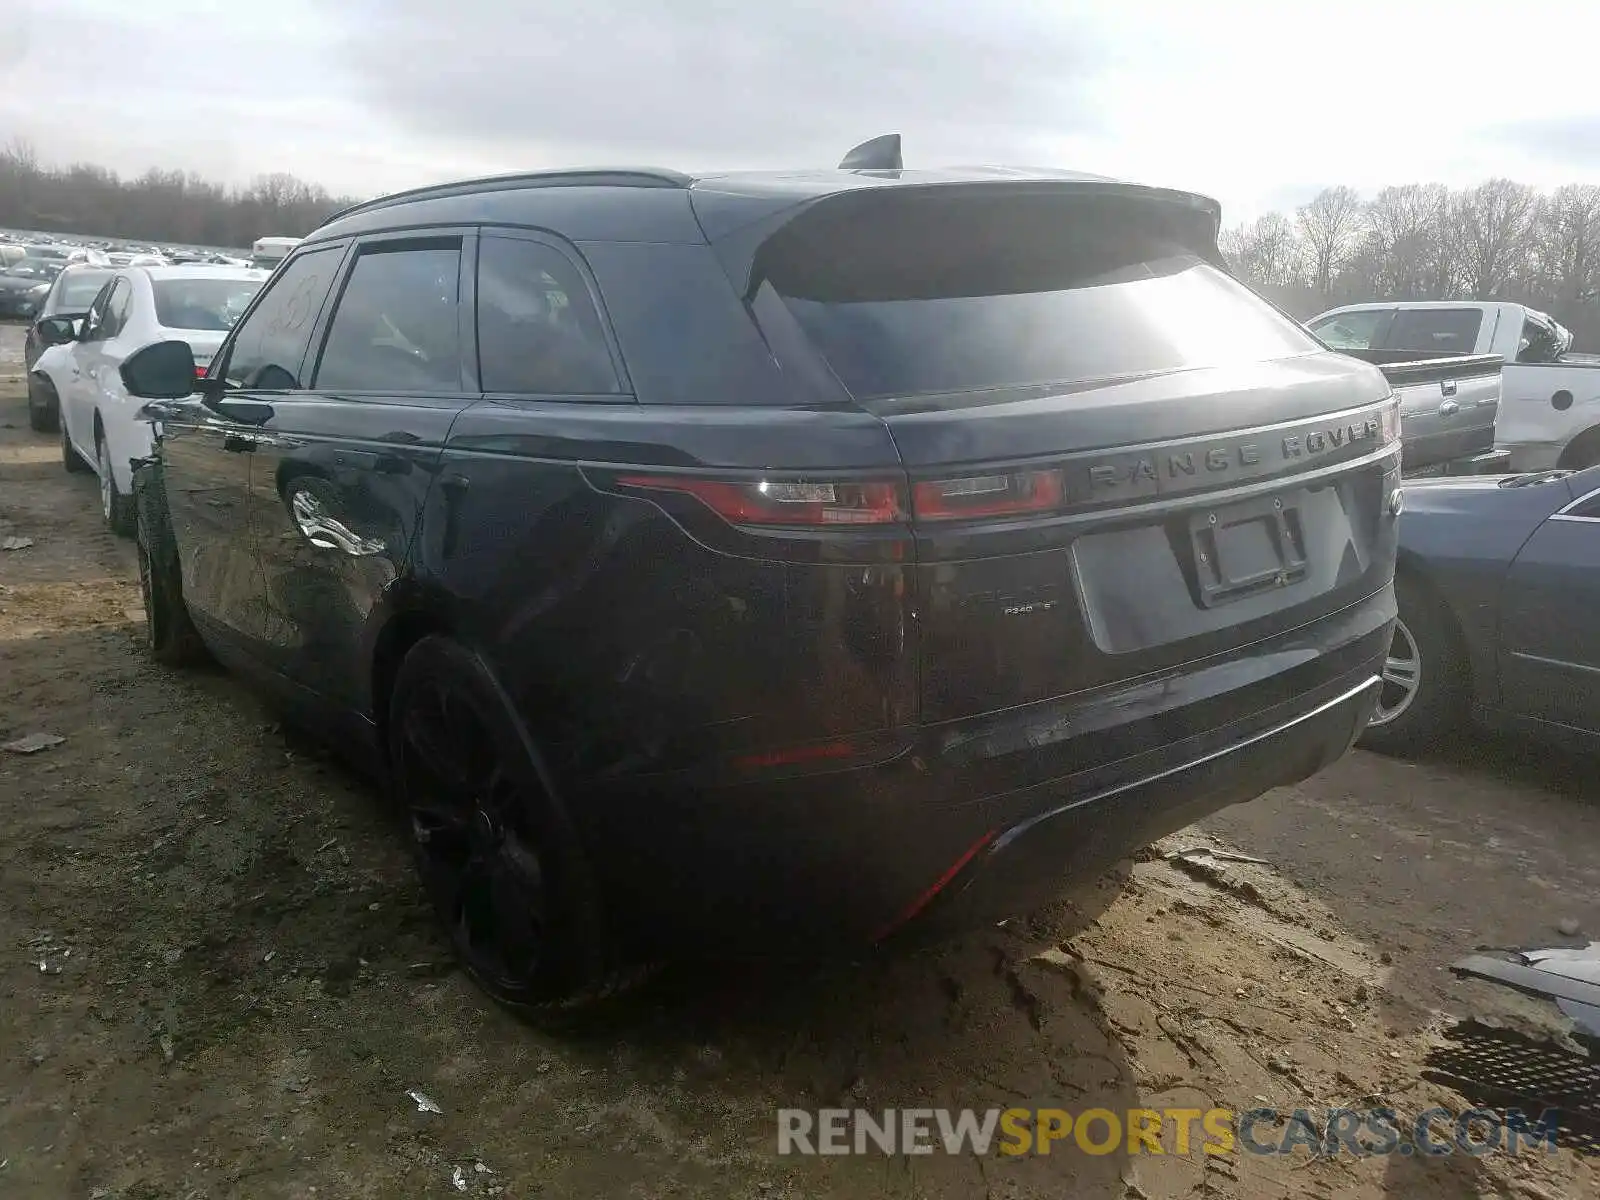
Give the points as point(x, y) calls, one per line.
point(1121, 462)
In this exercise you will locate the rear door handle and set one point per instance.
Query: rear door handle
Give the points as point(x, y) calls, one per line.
point(1447, 387)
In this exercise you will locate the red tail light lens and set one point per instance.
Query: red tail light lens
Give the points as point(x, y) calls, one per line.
point(199, 371)
point(1012, 494)
point(784, 502)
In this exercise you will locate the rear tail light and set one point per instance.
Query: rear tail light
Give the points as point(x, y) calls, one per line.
point(784, 502)
point(200, 370)
point(1000, 495)
point(1389, 422)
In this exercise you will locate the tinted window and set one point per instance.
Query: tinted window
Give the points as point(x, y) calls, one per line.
point(208, 304)
point(685, 337)
point(1352, 330)
point(1445, 330)
point(271, 341)
point(396, 325)
point(950, 296)
point(537, 329)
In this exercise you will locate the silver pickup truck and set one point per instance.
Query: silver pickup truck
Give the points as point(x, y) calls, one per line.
point(1449, 395)
point(1448, 406)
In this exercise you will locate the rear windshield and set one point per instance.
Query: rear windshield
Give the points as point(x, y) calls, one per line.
point(950, 298)
point(1451, 330)
point(205, 304)
point(78, 288)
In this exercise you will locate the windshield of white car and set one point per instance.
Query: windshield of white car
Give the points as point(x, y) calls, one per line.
point(208, 304)
point(33, 268)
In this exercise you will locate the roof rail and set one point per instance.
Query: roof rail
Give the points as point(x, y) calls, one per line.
point(648, 177)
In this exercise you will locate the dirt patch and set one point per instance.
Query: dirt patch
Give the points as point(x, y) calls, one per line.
point(217, 978)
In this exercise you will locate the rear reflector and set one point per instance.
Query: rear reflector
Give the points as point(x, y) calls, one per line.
point(1009, 494)
point(784, 502)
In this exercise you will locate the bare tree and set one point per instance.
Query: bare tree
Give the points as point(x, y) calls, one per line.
point(1267, 251)
point(167, 206)
point(1566, 232)
point(1330, 224)
point(1494, 225)
point(1409, 237)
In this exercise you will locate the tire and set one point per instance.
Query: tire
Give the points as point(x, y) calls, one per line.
point(170, 636)
point(44, 413)
point(116, 508)
point(1426, 635)
point(71, 460)
point(497, 856)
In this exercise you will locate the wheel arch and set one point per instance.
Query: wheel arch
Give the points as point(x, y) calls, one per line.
point(1413, 571)
point(1582, 451)
point(411, 619)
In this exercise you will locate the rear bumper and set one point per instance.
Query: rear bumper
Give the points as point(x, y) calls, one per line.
point(1026, 864)
point(980, 819)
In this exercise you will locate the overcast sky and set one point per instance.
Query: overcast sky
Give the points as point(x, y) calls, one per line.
point(1258, 104)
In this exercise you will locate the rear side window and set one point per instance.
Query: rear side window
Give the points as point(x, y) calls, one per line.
point(271, 341)
point(76, 289)
point(685, 337)
point(538, 331)
point(1443, 330)
point(397, 325)
point(975, 294)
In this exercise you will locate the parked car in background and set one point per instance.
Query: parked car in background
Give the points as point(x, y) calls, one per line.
point(1498, 584)
point(63, 253)
point(1549, 410)
point(268, 252)
point(24, 285)
point(100, 428)
point(69, 296)
point(11, 253)
point(747, 561)
point(1449, 395)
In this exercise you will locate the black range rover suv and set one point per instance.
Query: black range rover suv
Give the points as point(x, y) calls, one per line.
point(776, 560)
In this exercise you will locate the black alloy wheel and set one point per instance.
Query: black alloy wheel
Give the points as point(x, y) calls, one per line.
point(500, 865)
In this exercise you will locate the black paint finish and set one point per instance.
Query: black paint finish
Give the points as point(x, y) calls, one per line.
point(772, 734)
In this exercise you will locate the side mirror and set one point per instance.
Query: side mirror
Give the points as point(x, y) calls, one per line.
point(57, 331)
point(160, 371)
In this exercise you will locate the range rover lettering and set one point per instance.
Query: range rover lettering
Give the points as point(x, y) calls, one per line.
point(776, 560)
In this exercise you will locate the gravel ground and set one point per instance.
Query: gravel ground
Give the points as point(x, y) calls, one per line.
point(240, 984)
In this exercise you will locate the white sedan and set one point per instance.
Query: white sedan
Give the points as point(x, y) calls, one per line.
point(137, 306)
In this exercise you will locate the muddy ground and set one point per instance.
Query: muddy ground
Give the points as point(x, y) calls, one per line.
point(217, 977)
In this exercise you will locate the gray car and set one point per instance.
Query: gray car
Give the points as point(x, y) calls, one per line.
point(1498, 579)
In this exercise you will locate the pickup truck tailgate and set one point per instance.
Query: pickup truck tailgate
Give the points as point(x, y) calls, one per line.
point(1448, 405)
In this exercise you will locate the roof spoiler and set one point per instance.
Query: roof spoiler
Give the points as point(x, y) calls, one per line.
point(879, 154)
